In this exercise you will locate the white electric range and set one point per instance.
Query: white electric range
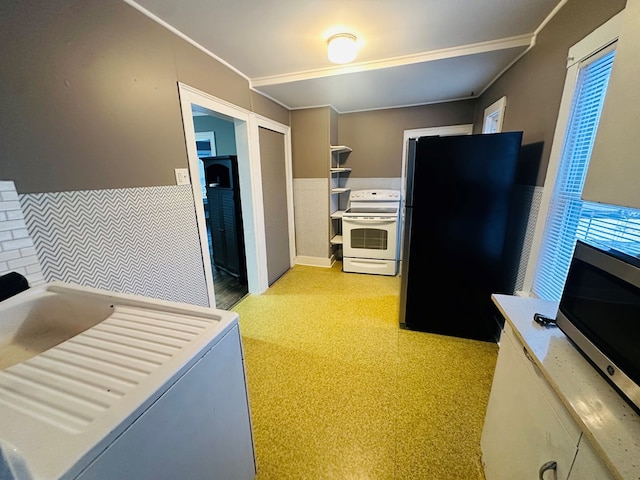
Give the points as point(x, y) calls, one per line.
point(371, 232)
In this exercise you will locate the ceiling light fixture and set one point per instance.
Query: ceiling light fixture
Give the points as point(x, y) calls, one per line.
point(342, 48)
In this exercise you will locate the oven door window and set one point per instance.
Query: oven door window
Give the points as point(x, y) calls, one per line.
point(369, 238)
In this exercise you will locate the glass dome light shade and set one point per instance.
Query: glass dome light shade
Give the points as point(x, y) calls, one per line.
point(342, 48)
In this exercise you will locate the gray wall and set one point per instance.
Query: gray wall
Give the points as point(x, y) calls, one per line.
point(90, 98)
point(90, 95)
point(533, 85)
point(224, 133)
point(376, 136)
point(267, 108)
point(310, 140)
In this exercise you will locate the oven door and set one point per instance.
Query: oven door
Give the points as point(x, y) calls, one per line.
point(370, 237)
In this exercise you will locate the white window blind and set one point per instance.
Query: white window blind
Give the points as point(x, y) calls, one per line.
point(568, 217)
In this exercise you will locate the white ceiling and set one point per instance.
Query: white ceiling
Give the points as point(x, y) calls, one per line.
point(411, 52)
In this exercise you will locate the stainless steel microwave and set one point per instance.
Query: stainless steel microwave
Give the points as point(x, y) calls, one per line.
point(600, 313)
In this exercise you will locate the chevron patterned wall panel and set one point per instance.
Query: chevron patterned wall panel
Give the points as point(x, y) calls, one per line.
point(142, 241)
point(517, 249)
point(532, 196)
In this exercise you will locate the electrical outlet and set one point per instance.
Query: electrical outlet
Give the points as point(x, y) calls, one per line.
point(182, 176)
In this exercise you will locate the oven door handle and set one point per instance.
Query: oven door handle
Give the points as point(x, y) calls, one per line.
point(369, 221)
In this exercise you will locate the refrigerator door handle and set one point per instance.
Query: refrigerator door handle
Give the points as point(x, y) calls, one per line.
point(411, 152)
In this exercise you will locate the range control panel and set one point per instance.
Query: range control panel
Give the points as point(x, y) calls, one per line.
point(374, 195)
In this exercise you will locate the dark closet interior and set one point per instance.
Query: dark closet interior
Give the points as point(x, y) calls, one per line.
point(224, 217)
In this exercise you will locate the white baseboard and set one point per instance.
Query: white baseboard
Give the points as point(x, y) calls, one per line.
point(314, 261)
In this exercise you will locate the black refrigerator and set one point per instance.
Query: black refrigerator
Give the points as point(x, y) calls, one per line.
point(456, 219)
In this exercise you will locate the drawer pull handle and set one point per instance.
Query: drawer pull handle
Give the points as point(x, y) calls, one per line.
point(552, 465)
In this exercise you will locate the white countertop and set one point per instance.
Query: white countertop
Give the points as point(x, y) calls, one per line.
point(610, 424)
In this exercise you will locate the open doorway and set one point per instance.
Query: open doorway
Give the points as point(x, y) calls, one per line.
point(216, 149)
point(255, 160)
point(246, 146)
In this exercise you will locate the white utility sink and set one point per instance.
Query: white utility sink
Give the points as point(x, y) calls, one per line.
point(90, 379)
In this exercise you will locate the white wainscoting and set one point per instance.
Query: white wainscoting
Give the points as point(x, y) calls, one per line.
point(311, 206)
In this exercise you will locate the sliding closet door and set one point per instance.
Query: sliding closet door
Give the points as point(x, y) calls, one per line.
point(274, 192)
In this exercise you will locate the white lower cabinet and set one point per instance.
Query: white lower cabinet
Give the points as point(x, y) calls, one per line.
point(527, 432)
point(550, 409)
point(588, 465)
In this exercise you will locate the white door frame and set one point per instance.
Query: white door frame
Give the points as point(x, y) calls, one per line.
point(494, 116)
point(464, 129)
point(246, 125)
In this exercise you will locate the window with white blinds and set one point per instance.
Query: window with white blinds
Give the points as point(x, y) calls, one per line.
point(568, 217)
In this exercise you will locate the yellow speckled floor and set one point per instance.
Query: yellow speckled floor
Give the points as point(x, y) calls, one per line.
point(339, 391)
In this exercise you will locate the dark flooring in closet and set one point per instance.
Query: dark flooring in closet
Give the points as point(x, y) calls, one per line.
point(228, 289)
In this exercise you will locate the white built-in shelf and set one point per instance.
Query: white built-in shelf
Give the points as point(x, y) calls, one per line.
point(336, 240)
point(340, 149)
point(338, 175)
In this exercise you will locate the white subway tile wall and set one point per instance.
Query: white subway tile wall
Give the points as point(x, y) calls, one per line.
point(311, 217)
point(311, 211)
point(17, 252)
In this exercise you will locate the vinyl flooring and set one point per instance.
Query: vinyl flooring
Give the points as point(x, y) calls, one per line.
point(228, 289)
point(338, 391)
